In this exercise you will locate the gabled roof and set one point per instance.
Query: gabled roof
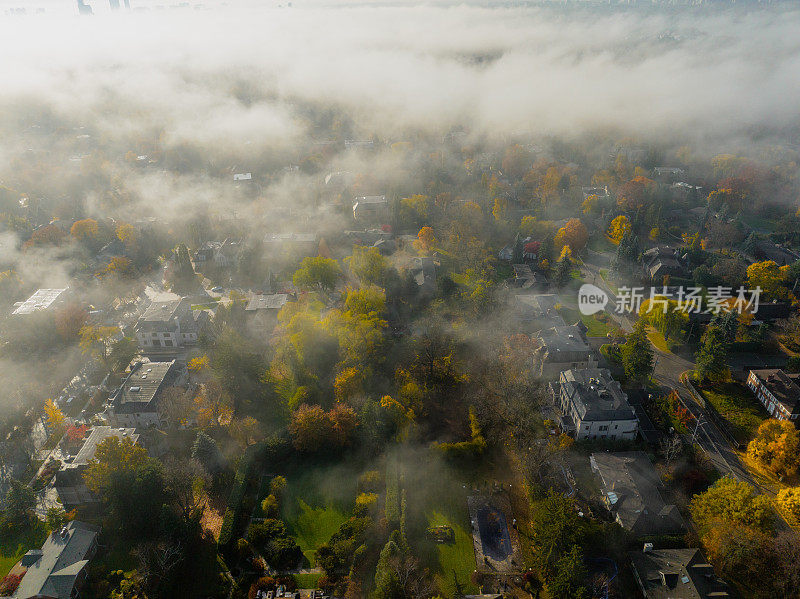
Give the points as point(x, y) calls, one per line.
point(676, 574)
point(631, 486)
point(267, 301)
point(63, 557)
point(783, 387)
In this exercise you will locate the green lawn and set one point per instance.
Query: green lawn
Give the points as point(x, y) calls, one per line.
point(306, 581)
point(458, 557)
point(15, 546)
point(738, 406)
point(598, 324)
point(316, 503)
point(437, 496)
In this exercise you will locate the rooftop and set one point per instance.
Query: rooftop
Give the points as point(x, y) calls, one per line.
point(568, 338)
point(596, 395)
point(141, 386)
point(630, 486)
point(676, 574)
point(40, 300)
point(267, 301)
point(63, 556)
point(781, 385)
point(162, 311)
point(284, 237)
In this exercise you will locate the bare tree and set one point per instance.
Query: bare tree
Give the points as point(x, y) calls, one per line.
point(671, 448)
point(414, 580)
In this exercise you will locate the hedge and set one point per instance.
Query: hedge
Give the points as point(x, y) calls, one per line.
point(236, 498)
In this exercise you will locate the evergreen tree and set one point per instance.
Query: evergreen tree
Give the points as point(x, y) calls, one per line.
point(563, 270)
point(750, 246)
point(712, 359)
point(637, 355)
point(206, 451)
point(516, 257)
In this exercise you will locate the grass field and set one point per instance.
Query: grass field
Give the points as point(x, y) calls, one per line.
point(316, 503)
point(438, 497)
point(736, 404)
point(14, 547)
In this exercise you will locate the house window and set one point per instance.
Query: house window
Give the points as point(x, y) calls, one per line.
point(604, 428)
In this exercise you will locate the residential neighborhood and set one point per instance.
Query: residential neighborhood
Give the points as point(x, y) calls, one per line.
point(400, 301)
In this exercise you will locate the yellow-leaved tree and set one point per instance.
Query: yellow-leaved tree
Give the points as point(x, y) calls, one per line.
point(619, 226)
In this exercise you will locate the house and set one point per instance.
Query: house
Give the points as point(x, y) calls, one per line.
point(766, 250)
point(358, 144)
point(166, 326)
point(596, 190)
point(295, 244)
point(136, 402)
point(242, 177)
point(563, 348)
point(536, 310)
point(220, 254)
point(675, 574)
point(371, 208)
point(525, 278)
point(777, 391)
point(669, 172)
point(424, 272)
point(262, 309)
point(339, 180)
point(42, 299)
point(631, 491)
point(69, 479)
point(58, 569)
point(595, 406)
point(659, 262)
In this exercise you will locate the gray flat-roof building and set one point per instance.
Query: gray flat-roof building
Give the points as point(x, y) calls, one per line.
point(563, 348)
point(136, 402)
point(595, 406)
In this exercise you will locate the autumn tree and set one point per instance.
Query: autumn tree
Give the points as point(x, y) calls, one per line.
point(729, 501)
point(317, 273)
point(85, 230)
point(56, 421)
point(96, 341)
point(369, 265)
point(712, 359)
point(70, 320)
point(314, 429)
point(788, 500)
point(425, 241)
point(768, 276)
point(213, 405)
point(776, 446)
point(572, 234)
point(619, 227)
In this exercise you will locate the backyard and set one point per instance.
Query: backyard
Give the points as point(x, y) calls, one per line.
point(14, 546)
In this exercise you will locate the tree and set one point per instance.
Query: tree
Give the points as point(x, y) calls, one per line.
point(56, 518)
point(96, 341)
point(712, 359)
point(768, 276)
point(246, 431)
point(69, 321)
point(731, 502)
point(573, 234)
point(788, 500)
point(213, 405)
point(19, 503)
point(313, 429)
point(369, 265)
point(206, 451)
point(181, 276)
point(426, 240)
point(85, 230)
point(122, 353)
point(317, 273)
point(619, 227)
point(636, 353)
point(56, 421)
point(776, 446)
point(664, 314)
point(113, 458)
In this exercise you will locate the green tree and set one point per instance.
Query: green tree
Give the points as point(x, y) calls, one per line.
point(19, 503)
point(317, 273)
point(370, 266)
point(712, 359)
point(636, 353)
point(206, 451)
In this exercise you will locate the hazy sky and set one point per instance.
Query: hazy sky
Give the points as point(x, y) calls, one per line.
point(501, 70)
